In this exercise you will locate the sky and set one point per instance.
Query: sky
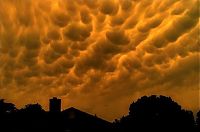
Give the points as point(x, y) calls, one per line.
point(99, 55)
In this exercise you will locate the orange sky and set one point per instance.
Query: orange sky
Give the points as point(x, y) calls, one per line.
point(99, 55)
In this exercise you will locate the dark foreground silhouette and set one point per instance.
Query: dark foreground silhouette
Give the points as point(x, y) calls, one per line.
point(154, 113)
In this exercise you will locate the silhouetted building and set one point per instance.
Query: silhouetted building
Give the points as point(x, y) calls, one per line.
point(55, 105)
point(75, 120)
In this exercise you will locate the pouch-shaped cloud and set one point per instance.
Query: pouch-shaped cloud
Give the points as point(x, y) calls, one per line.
point(109, 7)
point(77, 31)
point(117, 37)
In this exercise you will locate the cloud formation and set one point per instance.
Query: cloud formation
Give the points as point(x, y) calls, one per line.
point(99, 55)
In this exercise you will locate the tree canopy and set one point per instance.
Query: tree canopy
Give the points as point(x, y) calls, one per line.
point(32, 108)
point(6, 107)
point(156, 112)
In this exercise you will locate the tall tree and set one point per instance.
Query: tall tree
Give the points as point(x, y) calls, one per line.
point(6, 107)
point(157, 113)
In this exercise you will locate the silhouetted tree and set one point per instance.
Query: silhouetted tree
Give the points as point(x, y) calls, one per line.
point(6, 107)
point(31, 118)
point(32, 108)
point(157, 113)
point(198, 120)
point(7, 111)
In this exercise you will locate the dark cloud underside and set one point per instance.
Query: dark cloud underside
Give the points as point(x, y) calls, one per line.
point(99, 55)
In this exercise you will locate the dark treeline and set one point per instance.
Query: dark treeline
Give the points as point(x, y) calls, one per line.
point(153, 113)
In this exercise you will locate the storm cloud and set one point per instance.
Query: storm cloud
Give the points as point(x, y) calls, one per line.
point(99, 55)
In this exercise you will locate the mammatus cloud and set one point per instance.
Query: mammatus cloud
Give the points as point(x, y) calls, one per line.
point(99, 55)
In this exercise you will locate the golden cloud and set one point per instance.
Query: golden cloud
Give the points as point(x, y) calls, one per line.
point(105, 52)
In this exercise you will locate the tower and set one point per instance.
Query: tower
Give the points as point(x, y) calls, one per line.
point(55, 105)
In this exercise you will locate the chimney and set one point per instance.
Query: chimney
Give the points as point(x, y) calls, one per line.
point(55, 105)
